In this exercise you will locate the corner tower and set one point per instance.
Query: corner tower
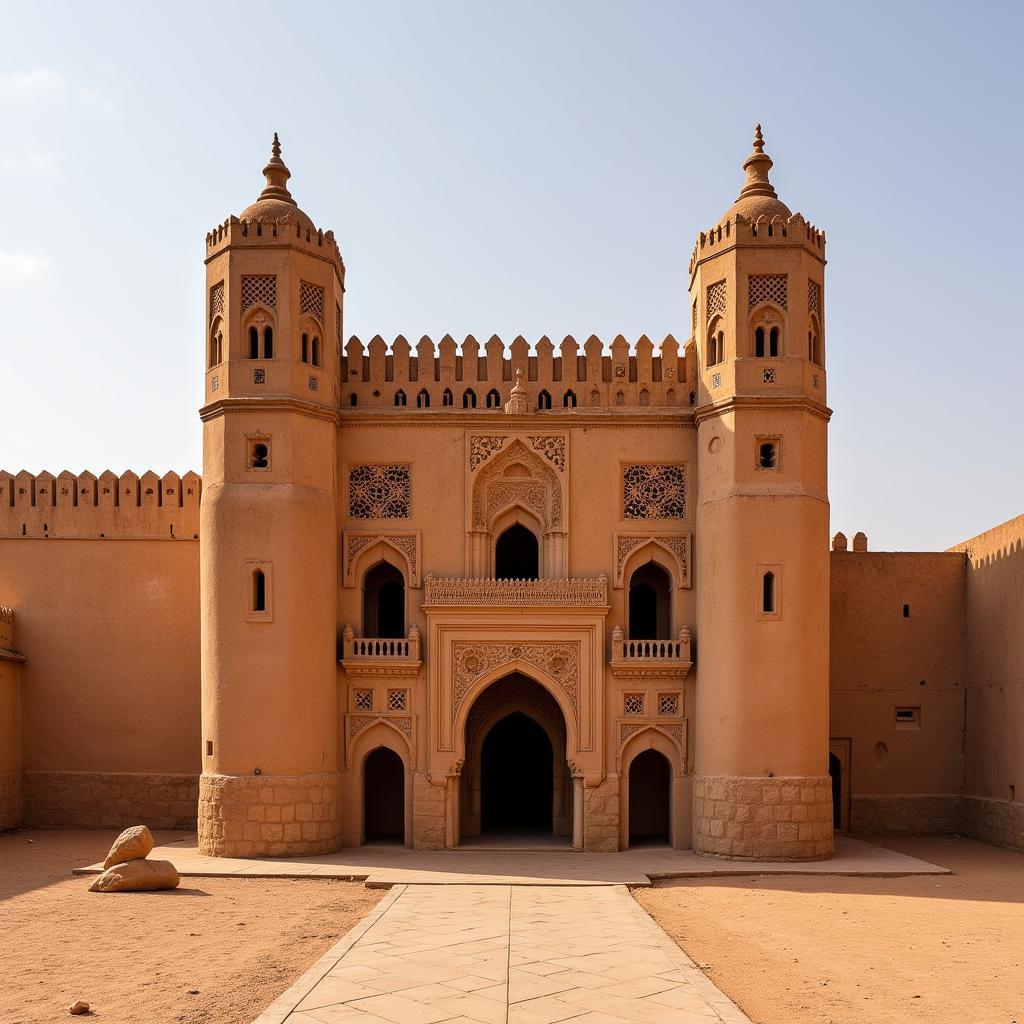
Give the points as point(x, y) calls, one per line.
point(268, 572)
point(761, 787)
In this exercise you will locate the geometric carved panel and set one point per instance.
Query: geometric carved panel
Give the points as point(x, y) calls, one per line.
point(653, 491)
point(380, 491)
point(767, 288)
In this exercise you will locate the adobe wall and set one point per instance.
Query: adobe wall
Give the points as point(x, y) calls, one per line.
point(906, 777)
point(10, 723)
point(107, 601)
point(993, 802)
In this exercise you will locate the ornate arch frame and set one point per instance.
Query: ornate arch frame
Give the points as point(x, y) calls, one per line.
point(382, 733)
point(650, 737)
point(358, 546)
point(770, 314)
point(670, 551)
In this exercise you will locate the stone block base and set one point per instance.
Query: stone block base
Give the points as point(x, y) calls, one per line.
point(761, 818)
point(10, 799)
point(269, 815)
point(109, 800)
point(601, 817)
point(428, 814)
point(993, 821)
point(905, 814)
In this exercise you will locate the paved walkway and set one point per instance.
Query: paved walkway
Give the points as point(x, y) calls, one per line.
point(384, 866)
point(505, 954)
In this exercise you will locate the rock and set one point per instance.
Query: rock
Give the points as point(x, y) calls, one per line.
point(77, 1009)
point(132, 844)
point(137, 876)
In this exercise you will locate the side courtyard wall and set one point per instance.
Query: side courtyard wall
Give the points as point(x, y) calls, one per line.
point(993, 801)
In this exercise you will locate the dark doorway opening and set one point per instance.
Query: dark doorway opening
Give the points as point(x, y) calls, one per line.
point(383, 797)
point(384, 602)
point(650, 787)
point(516, 555)
point(835, 771)
point(649, 603)
point(516, 777)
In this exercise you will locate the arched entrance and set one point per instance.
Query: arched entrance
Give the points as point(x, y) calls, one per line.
point(650, 792)
point(383, 797)
point(384, 602)
point(515, 783)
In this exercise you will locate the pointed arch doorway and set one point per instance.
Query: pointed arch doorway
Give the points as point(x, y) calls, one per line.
point(516, 789)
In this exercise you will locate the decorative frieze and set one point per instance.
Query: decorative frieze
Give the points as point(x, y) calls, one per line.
point(575, 592)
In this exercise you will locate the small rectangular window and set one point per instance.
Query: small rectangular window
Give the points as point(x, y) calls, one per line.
point(209, 748)
point(257, 450)
point(258, 589)
point(908, 718)
point(906, 611)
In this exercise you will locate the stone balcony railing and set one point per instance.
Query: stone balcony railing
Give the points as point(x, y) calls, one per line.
point(658, 659)
point(575, 592)
point(365, 655)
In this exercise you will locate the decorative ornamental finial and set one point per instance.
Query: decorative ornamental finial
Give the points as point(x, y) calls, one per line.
point(758, 139)
point(757, 166)
point(277, 175)
point(516, 404)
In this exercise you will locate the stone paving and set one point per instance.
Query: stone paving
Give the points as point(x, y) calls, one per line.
point(505, 954)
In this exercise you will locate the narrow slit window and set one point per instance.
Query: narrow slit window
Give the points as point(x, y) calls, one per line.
point(268, 342)
point(304, 354)
point(315, 352)
point(759, 342)
point(447, 398)
point(469, 399)
point(353, 400)
point(906, 611)
point(768, 593)
point(259, 591)
point(254, 343)
point(423, 399)
point(544, 400)
point(773, 342)
point(493, 399)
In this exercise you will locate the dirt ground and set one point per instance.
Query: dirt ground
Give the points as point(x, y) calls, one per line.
point(214, 951)
point(917, 950)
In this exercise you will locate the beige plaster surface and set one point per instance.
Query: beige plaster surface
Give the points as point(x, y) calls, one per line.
point(391, 865)
point(504, 955)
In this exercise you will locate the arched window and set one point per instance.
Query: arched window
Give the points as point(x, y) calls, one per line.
point(544, 400)
point(759, 342)
point(493, 399)
point(268, 342)
point(259, 591)
point(254, 342)
point(814, 343)
point(620, 397)
point(423, 399)
point(569, 399)
point(353, 399)
point(216, 346)
point(316, 350)
point(304, 348)
point(768, 593)
point(721, 346)
point(650, 603)
point(469, 399)
point(447, 398)
point(645, 397)
point(773, 342)
point(400, 397)
point(517, 555)
point(384, 602)
point(716, 343)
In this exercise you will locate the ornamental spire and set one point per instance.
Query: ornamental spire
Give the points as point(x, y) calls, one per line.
point(277, 175)
point(757, 166)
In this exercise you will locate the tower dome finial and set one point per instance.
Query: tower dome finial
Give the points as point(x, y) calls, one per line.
point(758, 197)
point(277, 175)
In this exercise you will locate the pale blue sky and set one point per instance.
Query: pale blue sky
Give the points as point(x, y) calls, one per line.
point(529, 168)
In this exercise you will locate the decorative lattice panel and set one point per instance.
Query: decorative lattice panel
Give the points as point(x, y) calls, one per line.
point(814, 297)
point(633, 704)
point(259, 289)
point(769, 376)
point(379, 492)
point(216, 301)
point(767, 288)
point(716, 299)
point(314, 384)
point(398, 700)
point(259, 375)
point(363, 700)
point(668, 704)
point(311, 300)
point(653, 492)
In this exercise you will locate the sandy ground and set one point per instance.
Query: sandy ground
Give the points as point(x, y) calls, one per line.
point(804, 950)
point(214, 951)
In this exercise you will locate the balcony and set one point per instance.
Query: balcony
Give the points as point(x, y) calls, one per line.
point(380, 656)
point(651, 659)
point(576, 592)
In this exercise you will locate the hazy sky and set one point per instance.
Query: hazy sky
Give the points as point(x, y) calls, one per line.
point(527, 168)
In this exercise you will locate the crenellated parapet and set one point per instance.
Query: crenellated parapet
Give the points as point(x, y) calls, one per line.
point(262, 232)
point(87, 507)
point(472, 376)
point(735, 229)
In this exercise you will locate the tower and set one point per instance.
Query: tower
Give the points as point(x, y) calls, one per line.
point(761, 787)
point(268, 572)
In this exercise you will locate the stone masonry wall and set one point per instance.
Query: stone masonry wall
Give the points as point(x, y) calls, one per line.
point(10, 799)
point(109, 800)
point(784, 818)
point(908, 814)
point(993, 821)
point(428, 820)
point(269, 815)
point(601, 817)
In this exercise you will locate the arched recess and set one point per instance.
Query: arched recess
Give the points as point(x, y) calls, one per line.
point(381, 549)
point(767, 317)
point(652, 738)
point(384, 601)
point(649, 603)
point(495, 708)
point(517, 548)
point(216, 350)
point(259, 319)
point(715, 346)
point(650, 550)
point(311, 340)
point(517, 485)
point(381, 734)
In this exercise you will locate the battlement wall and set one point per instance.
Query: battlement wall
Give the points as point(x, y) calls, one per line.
point(256, 232)
point(82, 507)
point(739, 230)
point(604, 376)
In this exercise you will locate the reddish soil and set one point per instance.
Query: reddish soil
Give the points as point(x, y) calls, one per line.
point(811, 950)
point(214, 951)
